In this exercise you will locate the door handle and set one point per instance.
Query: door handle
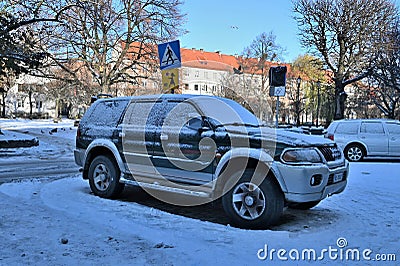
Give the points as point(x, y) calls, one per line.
point(164, 137)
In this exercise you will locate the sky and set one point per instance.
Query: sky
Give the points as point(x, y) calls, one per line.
point(231, 25)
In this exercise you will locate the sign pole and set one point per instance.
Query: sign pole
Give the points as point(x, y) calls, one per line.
point(277, 112)
point(277, 83)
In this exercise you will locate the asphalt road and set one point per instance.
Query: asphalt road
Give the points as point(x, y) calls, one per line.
point(26, 169)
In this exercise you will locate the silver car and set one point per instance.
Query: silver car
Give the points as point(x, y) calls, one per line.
point(362, 138)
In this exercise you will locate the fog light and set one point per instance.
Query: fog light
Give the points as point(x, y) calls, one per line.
point(316, 180)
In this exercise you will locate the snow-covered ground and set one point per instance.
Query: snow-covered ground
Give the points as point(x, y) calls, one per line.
point(59, 222)
point(55, 139)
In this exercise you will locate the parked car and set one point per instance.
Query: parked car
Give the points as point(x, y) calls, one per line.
point(205, 148)
point(363, 138)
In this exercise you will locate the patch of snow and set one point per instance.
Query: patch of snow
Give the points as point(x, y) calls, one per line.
point(365, 215)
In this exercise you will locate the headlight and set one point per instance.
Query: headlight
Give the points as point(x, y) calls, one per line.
point(301, 156)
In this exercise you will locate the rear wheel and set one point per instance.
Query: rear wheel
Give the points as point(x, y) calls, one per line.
point(104, 177)
point(253, 206)
point(354, 153)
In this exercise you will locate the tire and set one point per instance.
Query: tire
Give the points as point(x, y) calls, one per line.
point(354, 153)
point(104, 177)
point(251, 206)
point(304, 205)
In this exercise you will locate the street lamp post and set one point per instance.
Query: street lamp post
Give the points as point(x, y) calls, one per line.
point(298, 81)
point(318, 100)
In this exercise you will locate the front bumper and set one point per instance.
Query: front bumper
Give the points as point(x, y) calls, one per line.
point(296, 181)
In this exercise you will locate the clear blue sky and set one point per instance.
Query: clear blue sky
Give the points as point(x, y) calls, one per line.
point(231, 25)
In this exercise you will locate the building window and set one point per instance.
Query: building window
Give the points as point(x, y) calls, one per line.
point(186, 86)
point(196, 87)
point(21, 103)
point(196, 74)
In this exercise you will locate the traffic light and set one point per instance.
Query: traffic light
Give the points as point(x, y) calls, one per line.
point(277, 76)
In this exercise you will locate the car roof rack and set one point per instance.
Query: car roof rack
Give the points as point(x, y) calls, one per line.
point(100, 96)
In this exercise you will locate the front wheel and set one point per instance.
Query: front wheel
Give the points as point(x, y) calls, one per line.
point(104, 177)
point(253, 206)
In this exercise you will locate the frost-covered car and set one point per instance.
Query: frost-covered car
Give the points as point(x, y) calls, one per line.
point(190, 149)
point(360, 138)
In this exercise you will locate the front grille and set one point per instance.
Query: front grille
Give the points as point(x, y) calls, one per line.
point(331, 153)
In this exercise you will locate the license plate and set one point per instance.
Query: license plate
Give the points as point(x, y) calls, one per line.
point(337, 177)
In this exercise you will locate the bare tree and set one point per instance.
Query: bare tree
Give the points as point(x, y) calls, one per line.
point(345, 34)
point(21, 22)
point(258, 58)
point(361, 103)
point(113, 41)
point(385, 80)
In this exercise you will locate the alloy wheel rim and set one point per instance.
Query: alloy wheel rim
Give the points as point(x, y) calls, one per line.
point(354, 153)
point(248, 201)
point(101, 177)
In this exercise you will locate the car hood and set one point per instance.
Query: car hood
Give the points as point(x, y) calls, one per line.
point(281, 136)
point(299, 139)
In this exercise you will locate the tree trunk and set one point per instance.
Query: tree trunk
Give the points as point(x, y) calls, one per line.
point(340, 100)
point(30, 103)
point(3, 111)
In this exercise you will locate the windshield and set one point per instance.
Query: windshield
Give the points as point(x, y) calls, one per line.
point(226, 112)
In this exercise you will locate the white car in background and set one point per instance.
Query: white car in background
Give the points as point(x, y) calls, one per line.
point(362, 138)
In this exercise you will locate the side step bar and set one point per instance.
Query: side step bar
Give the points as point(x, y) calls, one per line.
point(157, 186)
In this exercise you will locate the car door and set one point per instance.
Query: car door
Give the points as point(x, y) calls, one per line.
point(139, 127)
point(394, 138)
point(374, 136)
point(183, 149)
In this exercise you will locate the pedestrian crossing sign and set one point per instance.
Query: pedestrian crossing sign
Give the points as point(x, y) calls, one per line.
point(170, 55)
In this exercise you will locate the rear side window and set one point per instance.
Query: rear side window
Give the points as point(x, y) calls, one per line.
point(347, 128)
point(142, 113)
point(147, 113)
point(108, 113)
point(393, 128)
point(372, 128)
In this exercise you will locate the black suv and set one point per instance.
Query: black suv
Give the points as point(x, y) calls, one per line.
point(190, 149)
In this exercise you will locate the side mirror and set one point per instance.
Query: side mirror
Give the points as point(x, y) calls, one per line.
point(194, 121)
